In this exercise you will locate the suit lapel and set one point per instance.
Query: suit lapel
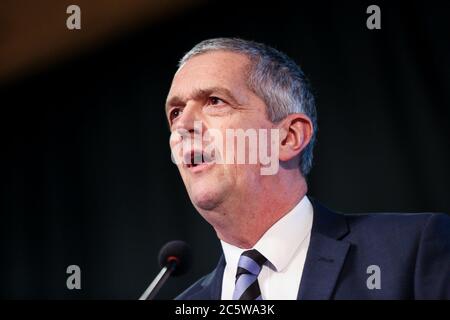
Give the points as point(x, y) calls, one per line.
point(326, 255)
point(212, 284)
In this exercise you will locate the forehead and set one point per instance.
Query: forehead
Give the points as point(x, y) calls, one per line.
point(212, 69)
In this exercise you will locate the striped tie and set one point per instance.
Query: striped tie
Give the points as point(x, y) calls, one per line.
point(249, 267)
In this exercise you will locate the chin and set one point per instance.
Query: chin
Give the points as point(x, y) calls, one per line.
point(205, 198)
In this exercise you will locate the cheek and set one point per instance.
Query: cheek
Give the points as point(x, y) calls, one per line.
point(183, 177)
point(176, 148)
point(246, 177)
point(175, 138)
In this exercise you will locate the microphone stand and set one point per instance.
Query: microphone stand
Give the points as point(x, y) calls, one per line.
point(158, 282)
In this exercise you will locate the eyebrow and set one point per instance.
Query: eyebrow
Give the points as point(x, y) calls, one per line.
point(199, 94)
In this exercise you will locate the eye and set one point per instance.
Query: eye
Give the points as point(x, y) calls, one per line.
point(215, 100)
point(174, 113)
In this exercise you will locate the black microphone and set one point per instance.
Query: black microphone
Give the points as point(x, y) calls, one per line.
point(174, 259)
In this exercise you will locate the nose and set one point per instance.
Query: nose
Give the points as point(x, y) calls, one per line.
point(186, 130)
point(187, 120)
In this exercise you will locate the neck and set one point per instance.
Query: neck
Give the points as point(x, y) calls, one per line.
point(244, 221)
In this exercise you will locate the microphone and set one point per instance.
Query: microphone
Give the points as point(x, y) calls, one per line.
point(174, 259)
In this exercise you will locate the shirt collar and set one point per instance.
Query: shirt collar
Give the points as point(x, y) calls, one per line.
point(281, 241)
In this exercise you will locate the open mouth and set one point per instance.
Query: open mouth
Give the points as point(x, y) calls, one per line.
point(196, 159)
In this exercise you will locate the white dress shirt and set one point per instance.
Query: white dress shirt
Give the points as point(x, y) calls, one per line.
point(285, 245)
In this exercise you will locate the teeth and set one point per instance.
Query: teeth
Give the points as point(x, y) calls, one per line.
point(193, 158)
point(196, 157)
point(208, 158)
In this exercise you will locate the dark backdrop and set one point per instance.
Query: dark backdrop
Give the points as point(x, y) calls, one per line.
point(86, 171)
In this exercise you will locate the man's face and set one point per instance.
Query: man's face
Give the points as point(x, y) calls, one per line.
point(211, 89)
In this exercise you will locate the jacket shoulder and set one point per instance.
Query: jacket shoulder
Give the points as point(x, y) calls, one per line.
point(398, 234)
point(194, 288)
point(207, 287)
point(414, 223)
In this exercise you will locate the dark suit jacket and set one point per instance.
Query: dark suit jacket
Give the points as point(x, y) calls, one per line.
point(412, 252)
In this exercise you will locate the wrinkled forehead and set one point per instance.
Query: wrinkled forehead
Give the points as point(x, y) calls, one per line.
point(213, 69)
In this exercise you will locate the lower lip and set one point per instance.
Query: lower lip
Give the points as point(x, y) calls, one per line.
point(200, 167)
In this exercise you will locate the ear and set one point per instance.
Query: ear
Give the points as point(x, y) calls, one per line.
point(296, 131)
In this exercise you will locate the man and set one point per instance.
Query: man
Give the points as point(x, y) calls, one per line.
point(278, 243)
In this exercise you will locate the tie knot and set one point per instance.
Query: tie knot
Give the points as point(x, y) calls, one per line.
point(250, 262)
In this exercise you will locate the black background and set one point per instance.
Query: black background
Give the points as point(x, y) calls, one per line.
point(86, 172)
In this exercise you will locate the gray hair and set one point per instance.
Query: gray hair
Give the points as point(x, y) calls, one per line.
point(275, 78)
